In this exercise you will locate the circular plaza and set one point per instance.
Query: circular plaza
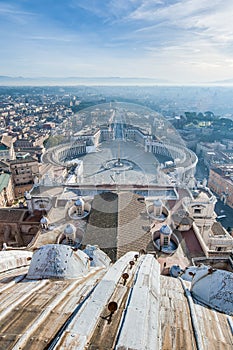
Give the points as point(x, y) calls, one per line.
point(123, 143)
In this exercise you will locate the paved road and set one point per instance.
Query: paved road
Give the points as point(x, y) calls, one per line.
point(201, 171)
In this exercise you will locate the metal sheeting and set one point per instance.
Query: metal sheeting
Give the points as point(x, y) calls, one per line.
point(176, 327)
point(214, 328)
point(83, 326)
point(32, 312)
point(153, 312)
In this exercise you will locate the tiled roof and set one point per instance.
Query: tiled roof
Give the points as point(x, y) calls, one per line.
point(28, 159)
point(102, 223)
point(11, 215)
point(133, 224)
point(121, 223)
point(6, 140)
point(217, 229)
point(46, 191)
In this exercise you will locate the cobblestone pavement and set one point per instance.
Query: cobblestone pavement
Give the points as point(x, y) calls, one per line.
point(144, 171)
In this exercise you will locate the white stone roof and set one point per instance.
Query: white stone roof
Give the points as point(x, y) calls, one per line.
point(11, 259)
point(154, 311)
point(141, 314)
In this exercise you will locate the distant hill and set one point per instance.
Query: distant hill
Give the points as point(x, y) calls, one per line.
point(222, 82)
point(9, 80)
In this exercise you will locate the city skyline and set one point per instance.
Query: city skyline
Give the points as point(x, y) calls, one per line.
point(173, 41)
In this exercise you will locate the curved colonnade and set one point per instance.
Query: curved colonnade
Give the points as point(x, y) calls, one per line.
point(60, 154)
point(184, 160)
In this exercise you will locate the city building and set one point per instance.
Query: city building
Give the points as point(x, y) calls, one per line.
point(221, 182)
point(7, 147)
point(18, 227)
point(213, 238)
point(4, 166)
point(24, 171)
point(215, 154)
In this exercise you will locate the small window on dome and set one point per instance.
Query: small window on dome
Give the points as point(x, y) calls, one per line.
point(70, 241)
point(79, 211)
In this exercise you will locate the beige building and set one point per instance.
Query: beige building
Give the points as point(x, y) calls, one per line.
point(17, 227)
point(213, 238)
point(221, 182)
point(23, 173)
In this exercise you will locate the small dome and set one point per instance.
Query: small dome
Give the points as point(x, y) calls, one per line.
point(213, 288)
point(79, 202)
point(166, 230)
point(44, 220)
point(157, 203)
point(175, 271)
point(69, 229)
point(57, 261)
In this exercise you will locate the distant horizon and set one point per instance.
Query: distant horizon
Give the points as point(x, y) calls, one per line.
point(8, 80)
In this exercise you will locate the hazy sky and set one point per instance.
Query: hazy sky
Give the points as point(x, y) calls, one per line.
point(180, 41)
